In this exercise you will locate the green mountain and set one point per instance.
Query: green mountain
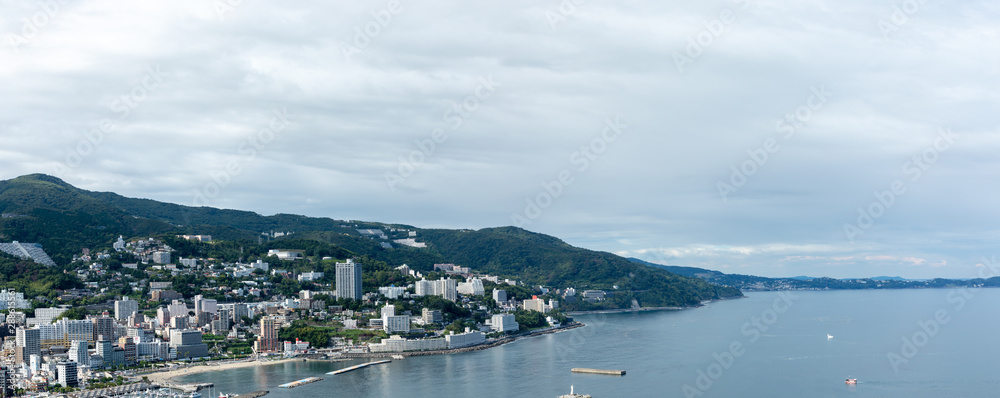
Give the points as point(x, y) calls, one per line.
point(64, 219)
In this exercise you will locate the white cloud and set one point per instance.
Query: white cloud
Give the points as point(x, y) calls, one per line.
point(655, 187)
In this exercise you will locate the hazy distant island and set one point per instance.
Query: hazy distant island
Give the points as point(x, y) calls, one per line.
point(750, 283)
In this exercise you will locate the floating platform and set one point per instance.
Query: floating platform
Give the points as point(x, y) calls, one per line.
point(600, 371)
point(302, 382)
point(255, 394)
point(356, 367)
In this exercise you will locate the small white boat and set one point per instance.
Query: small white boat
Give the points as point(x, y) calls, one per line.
point(573, 394)
point(829, 336)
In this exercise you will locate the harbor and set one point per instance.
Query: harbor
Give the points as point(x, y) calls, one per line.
point(356, 367)
point(302, 382)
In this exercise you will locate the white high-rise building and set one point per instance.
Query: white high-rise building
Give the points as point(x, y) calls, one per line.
point(27, 342)
point(446, 288)
point(349, 280)
point(65, 331)
point(67, 374)
point(424, 288)
point(503, 323)
point(163, 317)
point(473, 287)
point(78, 353)
point(392, 292)
point(392, 323)
point(44, 316)
point(125, 307)
point(500, 295)
point(205, 305)
point(535, 304)
point(177, 308)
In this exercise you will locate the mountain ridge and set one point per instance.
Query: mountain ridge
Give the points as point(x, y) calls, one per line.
point(65, 219)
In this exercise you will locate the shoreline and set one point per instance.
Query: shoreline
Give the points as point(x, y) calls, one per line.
point(166, 378)
point(479, 347)
point(624, 310)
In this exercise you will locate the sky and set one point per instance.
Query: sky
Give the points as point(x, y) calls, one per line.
point(821, 138)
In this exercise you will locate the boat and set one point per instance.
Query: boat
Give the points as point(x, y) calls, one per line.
point(851, 381)
point(829, 336)
point(195, 395)
point(573, 394)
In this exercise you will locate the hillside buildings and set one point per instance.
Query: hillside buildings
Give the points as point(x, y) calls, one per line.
point(392, 323)
point(444, 287)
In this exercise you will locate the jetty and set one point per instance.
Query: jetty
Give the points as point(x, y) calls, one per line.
point(599, 371)
point(302, 382)
point(255, 394)
point(356, 367)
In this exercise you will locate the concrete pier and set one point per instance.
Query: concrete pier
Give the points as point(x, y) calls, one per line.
point(600, 371)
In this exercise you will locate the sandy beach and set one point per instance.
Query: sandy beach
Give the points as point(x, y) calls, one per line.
point(167, 377)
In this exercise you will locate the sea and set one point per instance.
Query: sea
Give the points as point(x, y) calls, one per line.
point(896, 343)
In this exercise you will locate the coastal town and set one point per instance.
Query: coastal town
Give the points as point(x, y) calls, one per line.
point(143, 312)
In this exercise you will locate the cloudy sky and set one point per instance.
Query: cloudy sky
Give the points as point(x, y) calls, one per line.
point(838, 138)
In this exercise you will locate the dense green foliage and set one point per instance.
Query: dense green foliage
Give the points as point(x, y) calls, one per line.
point(33, 279)
point(65, 219)
point(317, 337)
point(544, 260)
point(530, 319)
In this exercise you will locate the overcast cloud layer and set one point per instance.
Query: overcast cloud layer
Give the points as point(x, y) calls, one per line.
point(748, 137)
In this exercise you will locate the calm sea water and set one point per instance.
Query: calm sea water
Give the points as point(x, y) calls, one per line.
point(716, 351)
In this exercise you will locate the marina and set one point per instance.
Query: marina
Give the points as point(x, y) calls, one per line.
point(356, 367)
point(302, 382)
